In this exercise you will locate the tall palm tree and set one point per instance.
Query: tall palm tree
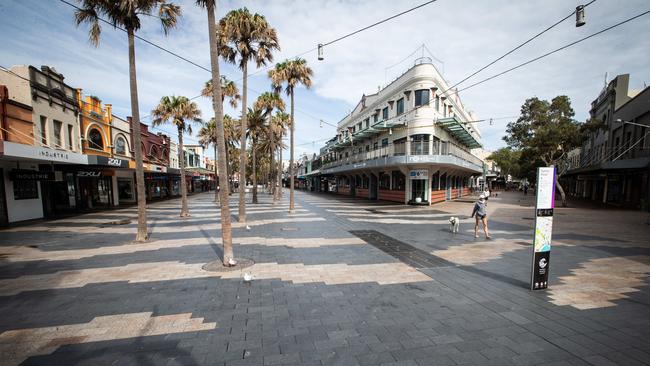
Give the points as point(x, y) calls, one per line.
point(207, 137)
point(256, 129)
point(269, 101)
point(126, 15)
point(226, 227)
point(281, 120)
point(270, 142)
point(228, 90)
point(180, 112)
point(293, 73)
point(246, 37)
point(231, 129)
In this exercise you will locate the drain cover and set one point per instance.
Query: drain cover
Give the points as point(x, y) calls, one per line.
point(289, 229)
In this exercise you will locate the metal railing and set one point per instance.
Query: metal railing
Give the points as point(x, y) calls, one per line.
point(417, 148)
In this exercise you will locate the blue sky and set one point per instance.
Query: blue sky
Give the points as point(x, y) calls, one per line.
point(462, 35)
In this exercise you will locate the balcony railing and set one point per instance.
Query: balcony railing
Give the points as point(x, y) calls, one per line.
point(417, 148)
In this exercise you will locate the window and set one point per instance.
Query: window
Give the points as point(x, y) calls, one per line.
point(400, 106)
point(154, 151)
point(25, 189)
point(70, 137)
point(384, 142)
point(367, 122)
point(375, 117)
point(58, 126)
point(398, 180)
point(43, 130)
point(421, 97)
point(384, 114)
point(437, 103)
point(435, 180)
point(384, 181)
point(120, 146)
point(95, 140)
point(359, 126)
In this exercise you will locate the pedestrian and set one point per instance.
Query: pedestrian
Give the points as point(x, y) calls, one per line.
point(526, 190)
point(486, 193)
point(480, 211)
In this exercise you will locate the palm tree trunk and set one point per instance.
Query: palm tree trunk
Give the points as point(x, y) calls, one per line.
point(291, 183)
point(226, 228)
point(217, 182)
point(242, 155)
point(272, 169)
point(142, 234)
point(254, 171)
point(181, 160)
point(278, 177)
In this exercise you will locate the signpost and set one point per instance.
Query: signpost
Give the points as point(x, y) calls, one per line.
point(543, 227)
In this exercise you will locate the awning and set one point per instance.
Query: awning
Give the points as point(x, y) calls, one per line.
point(459, 131)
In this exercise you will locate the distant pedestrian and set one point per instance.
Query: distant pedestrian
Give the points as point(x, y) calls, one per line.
point(480, 211)
point(526, 190)
point(486, 193)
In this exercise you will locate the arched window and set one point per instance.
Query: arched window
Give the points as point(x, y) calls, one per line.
point(154, 151)
point(120, 145)
point(95, 140)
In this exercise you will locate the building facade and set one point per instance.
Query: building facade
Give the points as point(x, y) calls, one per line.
point(410, 142)
point(613, 165)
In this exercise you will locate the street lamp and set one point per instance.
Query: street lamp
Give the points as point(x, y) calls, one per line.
point(631, 123)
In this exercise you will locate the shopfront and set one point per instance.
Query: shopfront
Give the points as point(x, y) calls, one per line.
point(419, 181)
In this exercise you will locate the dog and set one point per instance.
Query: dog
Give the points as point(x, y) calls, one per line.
point(454, 223)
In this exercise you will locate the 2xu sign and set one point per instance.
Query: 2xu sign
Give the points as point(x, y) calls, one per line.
point(543, 227)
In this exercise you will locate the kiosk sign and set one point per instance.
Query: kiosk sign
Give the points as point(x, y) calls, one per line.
point(543, 227)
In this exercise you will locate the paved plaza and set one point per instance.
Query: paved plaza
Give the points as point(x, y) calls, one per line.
point(341, 281)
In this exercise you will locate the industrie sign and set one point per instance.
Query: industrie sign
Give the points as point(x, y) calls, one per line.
point(42, 153)
point(543, 227)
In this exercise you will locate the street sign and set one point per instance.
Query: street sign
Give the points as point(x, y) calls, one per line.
point(543, 227)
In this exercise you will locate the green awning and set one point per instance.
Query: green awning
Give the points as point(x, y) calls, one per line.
point(459, 131)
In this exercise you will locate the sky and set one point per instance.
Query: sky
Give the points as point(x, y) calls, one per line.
point(460, 36)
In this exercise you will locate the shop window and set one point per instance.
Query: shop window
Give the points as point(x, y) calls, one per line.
point(58, 131)
point(384, 181)
point(421, 97)
point(435, 180)
point(125, 189)
point(95, 140)
point(400, 106)
point(384, 142)
point(443, 181)
point(25, 189)
point(120, 146)
point(357, 181)
point(399, 180)
point(384, 114)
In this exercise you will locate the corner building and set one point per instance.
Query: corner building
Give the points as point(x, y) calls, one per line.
point(410, 142)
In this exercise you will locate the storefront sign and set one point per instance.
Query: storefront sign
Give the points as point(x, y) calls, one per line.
point(18, 175)
point(89, 174)
point(15, 150)
point(155, 168)
point(106, 161)
point(543, 227)
point(419, 174)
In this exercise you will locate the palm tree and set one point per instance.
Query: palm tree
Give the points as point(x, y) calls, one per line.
point(126, 15)
point(292, 73)
point(231, 128)
point(246, 37)
point(180, 112)
point(228, 89)
point(226, 227)
point(256, 129)
point(281, 120)
point(267, 102)
point(271, 142)
point(207, 137)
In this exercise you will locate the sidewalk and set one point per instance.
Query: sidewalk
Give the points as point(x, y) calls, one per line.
point(340, 282)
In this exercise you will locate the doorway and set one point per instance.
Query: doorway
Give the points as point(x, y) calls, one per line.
point(419, 190)
point(373, 186)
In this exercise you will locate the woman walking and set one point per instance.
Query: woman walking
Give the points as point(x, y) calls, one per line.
point(480, 211)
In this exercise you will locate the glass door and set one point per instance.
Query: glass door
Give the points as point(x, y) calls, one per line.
point(419, 190)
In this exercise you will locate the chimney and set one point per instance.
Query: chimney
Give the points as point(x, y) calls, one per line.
point(108, 112)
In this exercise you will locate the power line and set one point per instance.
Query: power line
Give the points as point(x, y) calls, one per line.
point(519, 46)
point(377, 23)
point(555, 50)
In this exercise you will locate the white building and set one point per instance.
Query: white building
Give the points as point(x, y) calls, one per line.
point(410, 142)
